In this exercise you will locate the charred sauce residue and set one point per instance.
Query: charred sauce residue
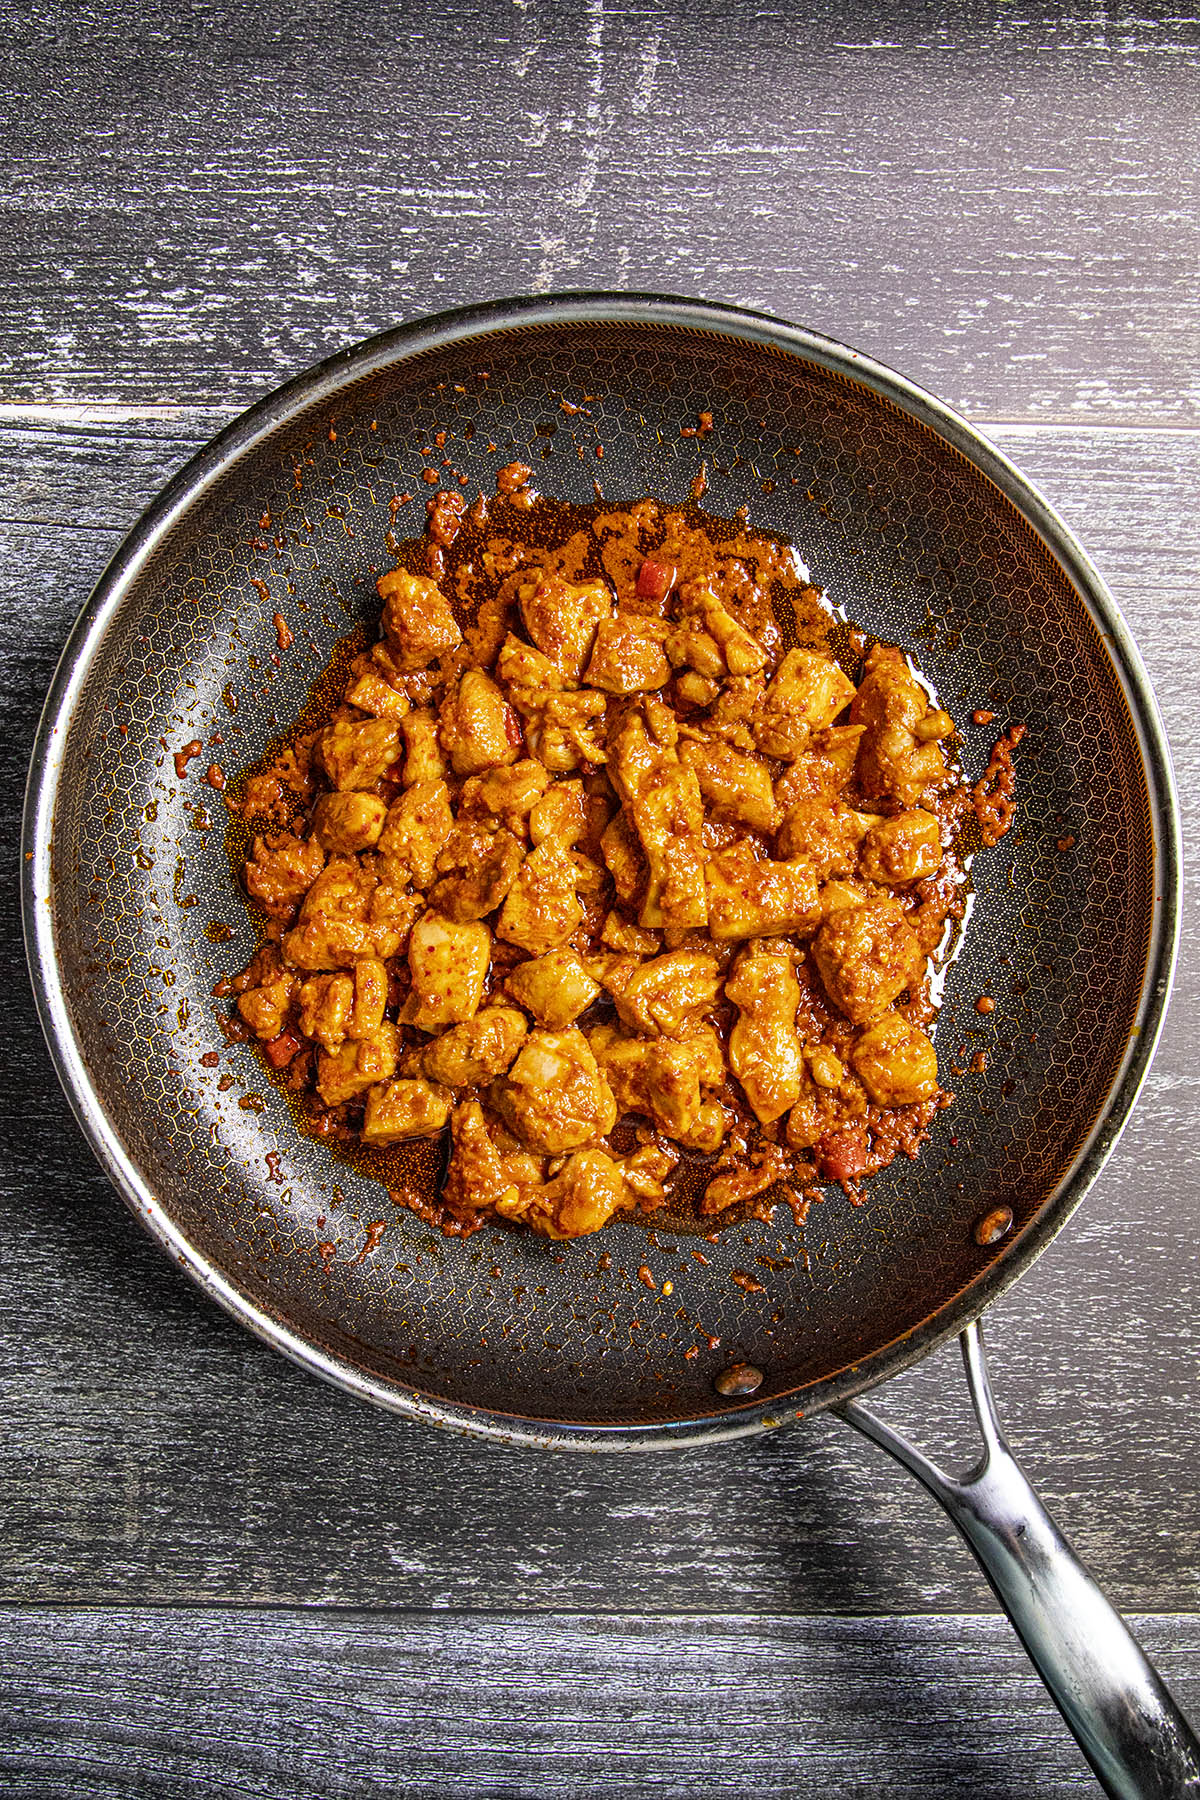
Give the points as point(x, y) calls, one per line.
point(476, 548)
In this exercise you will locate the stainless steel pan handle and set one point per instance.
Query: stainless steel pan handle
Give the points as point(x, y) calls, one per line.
point(1127, 1725)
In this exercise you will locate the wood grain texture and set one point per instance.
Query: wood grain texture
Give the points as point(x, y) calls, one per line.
point(194, 1704)
point(1000, 200)
point(154, 1451)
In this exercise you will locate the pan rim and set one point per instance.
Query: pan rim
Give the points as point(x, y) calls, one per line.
point(458, 326)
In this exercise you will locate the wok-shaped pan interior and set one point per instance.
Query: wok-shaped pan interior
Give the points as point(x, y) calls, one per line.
point(902, 530)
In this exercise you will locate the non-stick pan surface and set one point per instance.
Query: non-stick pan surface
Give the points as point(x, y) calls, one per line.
point(913, 524)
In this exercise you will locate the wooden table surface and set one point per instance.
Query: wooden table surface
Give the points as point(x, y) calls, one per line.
point(218, 1577)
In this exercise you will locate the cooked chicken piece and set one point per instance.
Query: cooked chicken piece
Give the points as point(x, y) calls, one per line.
point(751, 896)
point(660, 1077)
point(891, 703)
point(336, 1007)
point(472, 1053)
point(397, 1110)
point(697, 690)
point(372, 693)
point(326, 1002)
point(484, 866)
point(559, 814)
point(619, 934)
point(281, 871)
point(356, 754)
point(423, 760)
point(348, 823)
point(555, 988)
point(562, 728)
point(902, 849)
point(823, 833)
point(265, 1008)
point(479, 1179)
point(736, 786)
point(510, 793)
point(582, 1197)
point(554, 1097)
point(867, 955)
point(708, 1133)
point(664, 805)
point(836, 894)
point(562, 617)
point(710, 640)
point(628, 656)
point(370, 996)
point(764, 1049)
point(417, 619)
point(667, 996)
point(526, 671)
point(622, 852)
point(807, 693)
point(417, 830)
point(357, 1065)
point(895, 1062)
point(349, 912)
point(477, 727)
point(449, 964)
point(542, 910)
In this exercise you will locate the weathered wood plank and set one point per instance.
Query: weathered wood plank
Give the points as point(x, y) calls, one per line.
point(154, 1451)
point(1002, 203)
point(221, 1703)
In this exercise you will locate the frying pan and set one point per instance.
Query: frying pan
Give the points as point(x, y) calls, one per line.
point(926, 536)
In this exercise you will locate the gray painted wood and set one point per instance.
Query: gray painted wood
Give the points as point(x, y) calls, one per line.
point(200, 1705)
point(1000, 200)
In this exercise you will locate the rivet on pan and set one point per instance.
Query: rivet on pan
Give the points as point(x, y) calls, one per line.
point(993, 1226)
point(742, 1378)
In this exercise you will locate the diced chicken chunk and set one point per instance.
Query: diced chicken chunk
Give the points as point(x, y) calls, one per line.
point(477, 728)
point(866, 956)
point(559, 814)
point(807, 693)
point(417, 619)
point(891, 703)
point(709, 638)
point(357, 754)
point(823, 833)
point(663, 801)
point(264, 1008)
point(895, 1062)
point(512, 793)
point(397, 1110)
point(348, 913)
point(902, 849)
point(348, 823)
point(667, 996)
point(660, 1077)
point(628, 656)
point(449, 964)
point(484, 865)
point(555, 1097)
point(472, 1053)
point(372, 693)
point(281, 871)
point(542, 909)
point(423, 760)
point(736, 786)
point(479, 1178)
point(764, 1048)
point(417, 830)
point(582, 1197)
point(555, 988)
point(357, 1065)
point(561, 617)
point(751, 896)
point(623, 855)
